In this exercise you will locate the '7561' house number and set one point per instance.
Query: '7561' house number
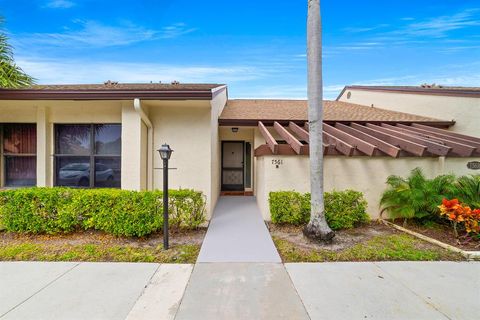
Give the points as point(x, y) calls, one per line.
point(277, 162)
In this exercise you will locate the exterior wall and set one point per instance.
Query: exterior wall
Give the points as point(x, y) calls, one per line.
point(365, 174)
point(463, 110)
point(46, 114)
point(186, 127)
point(217, 105)
point(133, 149)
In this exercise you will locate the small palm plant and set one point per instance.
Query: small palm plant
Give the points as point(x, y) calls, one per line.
point(415, 196)
point(467, 190)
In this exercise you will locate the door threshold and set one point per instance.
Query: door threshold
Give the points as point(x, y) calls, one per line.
point(236, 193)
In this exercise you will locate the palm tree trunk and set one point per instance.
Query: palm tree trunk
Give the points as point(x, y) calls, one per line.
point(317, 228)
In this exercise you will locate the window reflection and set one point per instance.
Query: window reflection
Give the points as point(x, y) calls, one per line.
point(75, 155)
point(73, 139)
point(108, 139)
point(73, 172)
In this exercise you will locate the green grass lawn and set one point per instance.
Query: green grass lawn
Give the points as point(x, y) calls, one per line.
point(395, 247)
point(29, 251)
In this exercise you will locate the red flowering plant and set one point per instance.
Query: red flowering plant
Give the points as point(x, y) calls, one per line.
point(457, 212)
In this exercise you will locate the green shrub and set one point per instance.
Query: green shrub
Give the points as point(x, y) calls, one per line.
point(186, 209)
point(119, 212)
point(467, 190)
point(37, 210)
point(288, 207)
point(343, 209)
point(416, 196)
point(419, 197)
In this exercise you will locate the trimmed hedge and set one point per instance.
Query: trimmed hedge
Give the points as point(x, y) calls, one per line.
point(343, 209)
point(119, 212)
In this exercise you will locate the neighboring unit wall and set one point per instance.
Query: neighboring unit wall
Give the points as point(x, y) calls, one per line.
point(465, 111)
point(365, 174)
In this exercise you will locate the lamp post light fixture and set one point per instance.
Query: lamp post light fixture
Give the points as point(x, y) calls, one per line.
point(165, 153)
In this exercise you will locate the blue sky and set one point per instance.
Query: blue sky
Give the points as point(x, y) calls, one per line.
point(256, 47)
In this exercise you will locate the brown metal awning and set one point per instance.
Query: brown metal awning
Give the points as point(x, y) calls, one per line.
point(368, 139)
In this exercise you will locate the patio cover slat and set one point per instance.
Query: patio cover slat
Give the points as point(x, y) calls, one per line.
point(291, 140)
point(409, 146)
point(442, 131)
point(447, 135)
point(339, 144)
point(362, 145)
point(299, 131)
point(458, 148)
point(432, 147)
point(383, 146)
point(272, 143)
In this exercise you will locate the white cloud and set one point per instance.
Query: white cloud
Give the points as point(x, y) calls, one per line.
point(365, 29)
point(440, 26)
point(49, 71)
point(59, 4)
point(94, 34)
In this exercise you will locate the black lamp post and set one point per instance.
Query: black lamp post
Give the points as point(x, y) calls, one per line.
point(165, 153)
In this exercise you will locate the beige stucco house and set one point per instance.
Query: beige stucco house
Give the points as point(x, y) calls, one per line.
point(107, 136)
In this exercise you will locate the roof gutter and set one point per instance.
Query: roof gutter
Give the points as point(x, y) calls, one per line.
point(138, 108)
point(33, 94)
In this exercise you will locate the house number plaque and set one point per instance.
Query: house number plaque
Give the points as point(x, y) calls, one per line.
point(473, 165)
point(277, 162)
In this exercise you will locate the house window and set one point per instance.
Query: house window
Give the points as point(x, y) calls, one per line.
point(80, 147)
point(19, 149)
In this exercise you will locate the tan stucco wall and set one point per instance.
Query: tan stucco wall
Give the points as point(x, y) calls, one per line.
point(463, 110)
point(364, 174)
point(185, 126)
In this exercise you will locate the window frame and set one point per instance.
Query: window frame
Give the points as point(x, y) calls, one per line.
point(92, 155)
point(4, 155)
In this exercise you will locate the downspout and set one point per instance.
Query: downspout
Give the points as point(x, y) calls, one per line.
point(441, 164)
point(138, 108)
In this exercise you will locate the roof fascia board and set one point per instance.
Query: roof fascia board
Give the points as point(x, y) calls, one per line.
point(421, 91)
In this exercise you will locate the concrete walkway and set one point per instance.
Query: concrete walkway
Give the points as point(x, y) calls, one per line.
point(237, 233)
point(237, 291)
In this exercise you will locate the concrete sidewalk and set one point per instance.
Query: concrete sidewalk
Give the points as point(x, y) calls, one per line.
point(118, 291)
point(58, 290)
point(389, 290)
point(237, 233)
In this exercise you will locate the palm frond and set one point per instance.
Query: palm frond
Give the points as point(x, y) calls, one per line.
point(11, 75)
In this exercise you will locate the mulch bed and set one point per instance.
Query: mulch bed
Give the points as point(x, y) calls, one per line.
point(443, 233)
point(193, 237)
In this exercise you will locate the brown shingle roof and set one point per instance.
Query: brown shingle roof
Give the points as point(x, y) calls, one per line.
point(437, 90)
point(252, 111)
